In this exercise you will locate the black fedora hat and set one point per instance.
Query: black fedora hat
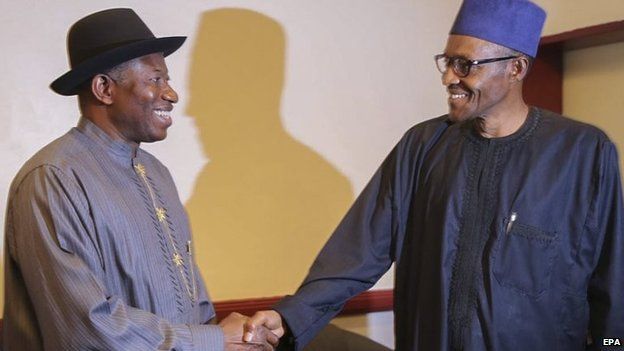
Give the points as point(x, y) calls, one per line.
point(104, 40)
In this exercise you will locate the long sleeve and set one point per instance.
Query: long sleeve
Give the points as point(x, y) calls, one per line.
point(53, 245)
point(353, 259)
point(366, 242)
point(607, 283)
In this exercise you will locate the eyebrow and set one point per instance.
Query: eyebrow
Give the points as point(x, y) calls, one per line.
point(459, 56)
point(165, 72)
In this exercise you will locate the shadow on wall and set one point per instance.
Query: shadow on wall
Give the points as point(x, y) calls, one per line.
point(265, 203)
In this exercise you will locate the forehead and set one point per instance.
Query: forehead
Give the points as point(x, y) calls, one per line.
point(470, 47)
point(147, 63)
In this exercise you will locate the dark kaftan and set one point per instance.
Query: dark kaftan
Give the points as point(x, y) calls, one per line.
point(513, 243)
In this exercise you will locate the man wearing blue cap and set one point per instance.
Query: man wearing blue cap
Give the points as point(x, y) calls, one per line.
point(506, 222)
point(98, 246)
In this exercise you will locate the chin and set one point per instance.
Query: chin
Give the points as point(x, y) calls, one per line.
point(462, 115)
point(458, 117)
point(159, 136)
point(154, 138)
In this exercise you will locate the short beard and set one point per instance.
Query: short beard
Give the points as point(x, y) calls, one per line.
point(479, 123)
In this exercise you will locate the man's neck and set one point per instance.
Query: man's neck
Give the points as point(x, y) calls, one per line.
point(503, 124)
point(107, 127)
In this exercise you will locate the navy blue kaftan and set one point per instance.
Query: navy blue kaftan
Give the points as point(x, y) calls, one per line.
point(513, 243)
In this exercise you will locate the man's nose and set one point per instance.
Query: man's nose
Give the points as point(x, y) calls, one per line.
point(449, 77)
point(170, 95)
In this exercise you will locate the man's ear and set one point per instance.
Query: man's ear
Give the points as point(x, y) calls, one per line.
point(102, 87)
point(519, 68)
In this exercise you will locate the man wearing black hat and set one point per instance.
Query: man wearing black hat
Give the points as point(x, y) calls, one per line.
point(99, 252)
point(506, 222)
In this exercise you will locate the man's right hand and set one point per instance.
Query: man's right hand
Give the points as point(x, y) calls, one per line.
point(269, 319)
point(233, 327)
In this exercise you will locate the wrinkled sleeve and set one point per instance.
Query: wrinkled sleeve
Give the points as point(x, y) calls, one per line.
point(55, 249)
point(606, 290)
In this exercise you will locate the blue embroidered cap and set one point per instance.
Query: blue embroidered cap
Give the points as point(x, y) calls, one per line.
point(515, 24)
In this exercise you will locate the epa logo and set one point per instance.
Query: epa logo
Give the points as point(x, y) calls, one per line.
point(611, 342)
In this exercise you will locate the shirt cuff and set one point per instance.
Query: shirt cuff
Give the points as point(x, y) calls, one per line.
point(207, 337)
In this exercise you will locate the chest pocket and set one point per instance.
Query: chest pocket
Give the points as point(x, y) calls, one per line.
point(525, 258)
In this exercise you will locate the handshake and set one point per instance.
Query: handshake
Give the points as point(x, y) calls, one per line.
point(260, 332)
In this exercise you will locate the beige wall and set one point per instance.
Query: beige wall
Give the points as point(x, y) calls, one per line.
point(592, 91)
point(266, 202)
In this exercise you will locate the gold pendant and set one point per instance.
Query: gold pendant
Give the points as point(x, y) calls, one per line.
point(161, 214)
point(140, 169)
point(177, 259)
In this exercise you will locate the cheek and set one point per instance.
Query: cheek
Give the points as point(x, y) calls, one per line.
point(150, 95)
point(483, 90)
point(144, 95)
point(469, 85)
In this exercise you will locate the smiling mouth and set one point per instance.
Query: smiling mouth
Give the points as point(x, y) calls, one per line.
point(163, 115)
point(457, 96)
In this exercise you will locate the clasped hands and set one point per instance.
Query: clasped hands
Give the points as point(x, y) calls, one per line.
point(260, 332)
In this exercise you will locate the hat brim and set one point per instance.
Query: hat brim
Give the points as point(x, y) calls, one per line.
point(68, 83)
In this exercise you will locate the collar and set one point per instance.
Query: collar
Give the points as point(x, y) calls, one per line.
point(119, 148)
point(527, 129)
